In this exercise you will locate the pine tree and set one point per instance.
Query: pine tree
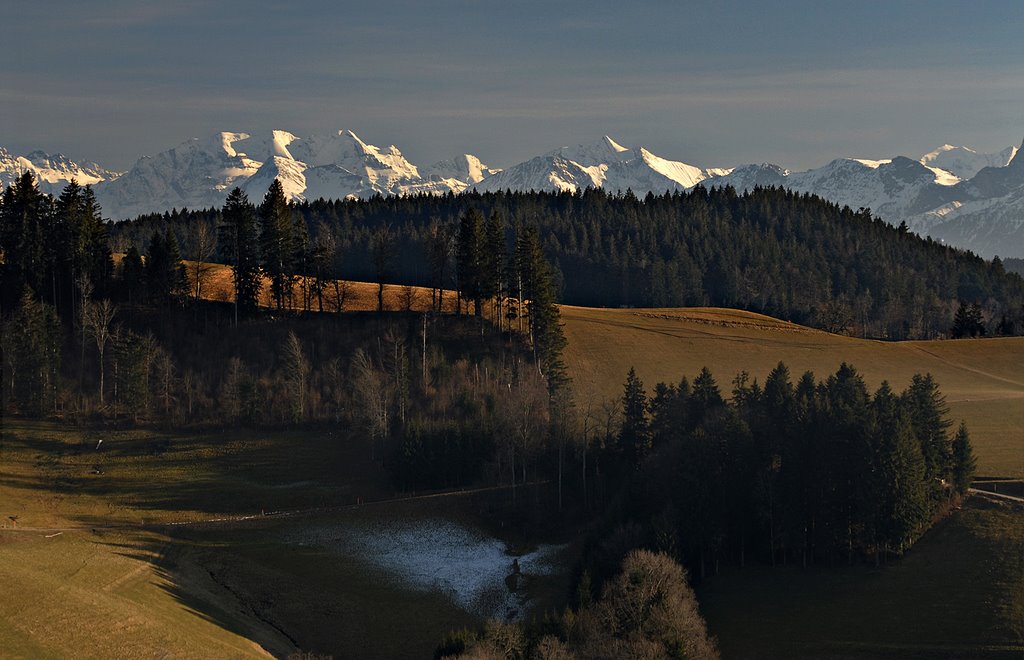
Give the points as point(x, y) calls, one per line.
point(133, 276)
point(240, 247)
point(165, 274)
point(97, 261)
point(927, 410)
point(963, 460)
point(276, 243)
point(439, 253)
point(24, 219)
point(65, 258)
point(493, 263)
point(470, 263)
point(704, 398)
point(546, 333)
point(634, 437)
point(904, 494)
point(299, 248)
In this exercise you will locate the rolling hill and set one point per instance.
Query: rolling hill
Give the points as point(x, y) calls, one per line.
point(981, 378)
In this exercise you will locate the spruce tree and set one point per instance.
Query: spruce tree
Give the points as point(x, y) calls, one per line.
point(239, 245)
point(133, 276)
point(964, 463)
point(546, 333)
point(904, 491)
point(97, 261)
point(634, 437)
point(276, 243)
point(24, 219)
point(165, 274)
point(927, 410)
point(704, 398)
point(493, 263)
point(471, 262)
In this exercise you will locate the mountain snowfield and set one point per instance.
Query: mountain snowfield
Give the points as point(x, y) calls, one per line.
point(954, 194)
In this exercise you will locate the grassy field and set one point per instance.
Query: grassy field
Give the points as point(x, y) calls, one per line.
point(96, 563)
point(982, 379)
point(89, 568)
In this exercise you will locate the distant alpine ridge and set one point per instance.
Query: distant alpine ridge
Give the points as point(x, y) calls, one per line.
point(956, 195)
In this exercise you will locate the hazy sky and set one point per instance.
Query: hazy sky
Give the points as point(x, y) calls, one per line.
point(710, 83)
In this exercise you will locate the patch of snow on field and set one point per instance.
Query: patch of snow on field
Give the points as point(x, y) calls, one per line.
point(439, 555)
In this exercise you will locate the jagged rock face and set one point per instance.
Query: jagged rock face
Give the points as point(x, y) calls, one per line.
point(954, 194)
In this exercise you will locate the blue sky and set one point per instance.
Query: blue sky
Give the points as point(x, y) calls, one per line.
point(710, 83)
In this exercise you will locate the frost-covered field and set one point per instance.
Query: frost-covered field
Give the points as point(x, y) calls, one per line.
point(434, 554)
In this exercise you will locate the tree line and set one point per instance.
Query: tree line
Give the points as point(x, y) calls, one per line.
point(59, 286)
point(769, 250)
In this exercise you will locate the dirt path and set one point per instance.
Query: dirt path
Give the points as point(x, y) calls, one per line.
point(964, 367)
point(1001, 496)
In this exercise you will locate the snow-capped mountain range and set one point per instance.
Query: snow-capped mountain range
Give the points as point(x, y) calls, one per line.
point(969, 199)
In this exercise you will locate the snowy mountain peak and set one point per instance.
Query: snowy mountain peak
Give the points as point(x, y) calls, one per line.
point(279, 143)
point(604, 151)
point(964, 162)
point(52, 171)
point(218, 143)
point(952, 193)
point(466, 168)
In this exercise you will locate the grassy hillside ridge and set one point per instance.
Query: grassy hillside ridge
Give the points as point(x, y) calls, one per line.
point(982, 379)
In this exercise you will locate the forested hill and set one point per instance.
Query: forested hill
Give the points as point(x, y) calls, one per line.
point(794, 256)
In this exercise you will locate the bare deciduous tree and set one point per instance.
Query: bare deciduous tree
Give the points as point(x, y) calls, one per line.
point(98, 319)
point(202, 247)
point(296, 375)
point(384, 250)
point(372, 394)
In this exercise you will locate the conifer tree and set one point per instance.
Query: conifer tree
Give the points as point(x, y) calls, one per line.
point(64, 246)
point(24, 218)
point(705, 396)
point(276, 244)
point(97, 261)
point(471, 261)
point(438, 247)
point(299, 248)
point(239, 245)
point(545, 319)
point(634, 438)
point(927, 410)
point(133, 276)
point(963, 460)
point(905, 495)
point(165, 274)
point(493, 263)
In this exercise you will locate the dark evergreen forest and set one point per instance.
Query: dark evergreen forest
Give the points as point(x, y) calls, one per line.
point(793, 256)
